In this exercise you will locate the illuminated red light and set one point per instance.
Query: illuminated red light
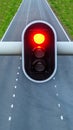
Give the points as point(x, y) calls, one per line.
point(39, 38)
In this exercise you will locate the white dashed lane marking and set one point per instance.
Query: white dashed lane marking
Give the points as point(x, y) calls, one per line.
point(18, 73)
point(19, 67)
point(12, 105)
point(62, 118)
point(16, 79)
point(54, 78)
point(57, 94)
point(59, 105)
point(13, 95)
point(55, 86)
point(15, 86)
point(9, 119)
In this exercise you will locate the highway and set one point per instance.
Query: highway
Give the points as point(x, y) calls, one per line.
point(25, 105)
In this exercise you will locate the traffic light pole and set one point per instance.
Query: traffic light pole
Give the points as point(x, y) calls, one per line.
point(15, 48)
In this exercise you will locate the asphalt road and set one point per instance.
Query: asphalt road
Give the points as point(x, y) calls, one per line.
point(25, 105)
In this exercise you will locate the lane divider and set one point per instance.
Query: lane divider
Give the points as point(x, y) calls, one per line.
point(18, 73)
point(19, 67)
point(57, 94)
point(59, 105)
point(15, 86)
point(14, 95)
point(12, 105)
point(54, 78)
point(16, 79)
point(62, 118)
point(9, 119)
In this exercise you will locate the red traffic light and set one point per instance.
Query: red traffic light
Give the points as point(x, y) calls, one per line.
point(39, 38)
point(39, 51)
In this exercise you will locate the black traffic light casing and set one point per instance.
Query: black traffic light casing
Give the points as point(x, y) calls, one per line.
point(39, 51)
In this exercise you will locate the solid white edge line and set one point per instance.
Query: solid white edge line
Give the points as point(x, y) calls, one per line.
point(58, 21)
point(11, 21)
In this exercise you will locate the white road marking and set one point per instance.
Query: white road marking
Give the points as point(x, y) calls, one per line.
point(54, 78)
point(12, 105)
point(9, 118)
point(17, 79)
point(59, 105)
point(13, 95)
point(57, 94)
point(15, 86)
point(18, 73)
point(19, 67)
point(62, 118)
point(55, 86)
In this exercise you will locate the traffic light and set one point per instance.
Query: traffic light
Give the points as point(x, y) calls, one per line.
point(39, 51)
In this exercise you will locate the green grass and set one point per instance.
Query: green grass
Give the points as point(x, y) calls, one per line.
point(64, 11)
point(7, 11)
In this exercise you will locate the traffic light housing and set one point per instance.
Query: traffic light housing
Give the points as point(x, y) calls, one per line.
point(39, 51)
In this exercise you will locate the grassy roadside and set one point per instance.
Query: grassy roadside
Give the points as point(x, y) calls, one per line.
point(64, 11)
point(7, 11)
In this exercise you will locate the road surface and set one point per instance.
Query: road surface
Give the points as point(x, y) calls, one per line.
point(25, 105)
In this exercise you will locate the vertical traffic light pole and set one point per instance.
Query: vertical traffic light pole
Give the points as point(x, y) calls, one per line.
point(39, 51)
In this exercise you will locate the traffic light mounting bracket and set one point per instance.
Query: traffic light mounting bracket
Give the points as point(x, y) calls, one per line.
point(64, 48)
